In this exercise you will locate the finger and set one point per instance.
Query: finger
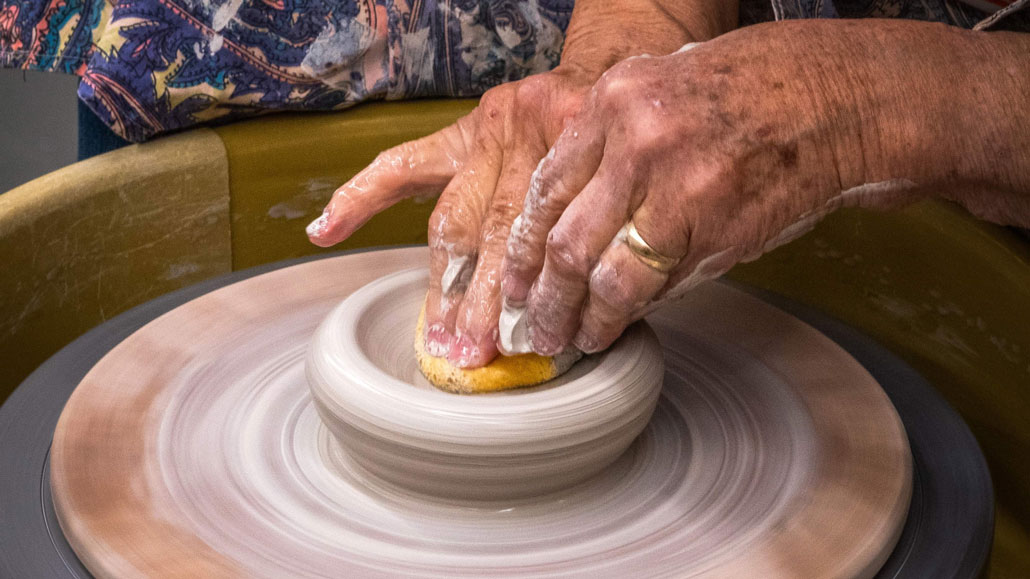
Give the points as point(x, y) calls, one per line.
point(454, 233)
point(480, 309)
point(622, 285)
point(415, 168)
point(573, 248)
point(568, 167)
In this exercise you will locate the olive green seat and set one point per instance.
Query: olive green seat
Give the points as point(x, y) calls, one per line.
point(947, 293)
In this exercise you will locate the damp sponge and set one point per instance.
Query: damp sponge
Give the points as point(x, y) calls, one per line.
point(503, 373)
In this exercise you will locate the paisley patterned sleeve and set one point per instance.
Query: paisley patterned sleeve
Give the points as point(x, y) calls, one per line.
point(962, 13)
point(50, 35)
point(153, 66)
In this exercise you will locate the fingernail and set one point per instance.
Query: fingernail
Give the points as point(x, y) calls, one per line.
point(438, 341)
point(543, 343)
point(318, 227)
point(514, 289)
point(586, 343)
point(463, 352)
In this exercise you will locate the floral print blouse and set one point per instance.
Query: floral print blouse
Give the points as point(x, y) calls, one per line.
point(153, 66)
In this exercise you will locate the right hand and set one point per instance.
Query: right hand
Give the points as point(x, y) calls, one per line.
point(482, 164)
point(720, 153)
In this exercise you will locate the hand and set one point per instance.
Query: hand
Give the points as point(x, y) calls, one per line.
point(483, 165)
point(484, 161)
point(717, 154)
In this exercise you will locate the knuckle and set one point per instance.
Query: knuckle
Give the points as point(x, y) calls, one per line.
point(566, 253)
point(532, 91)
point(389, 167)
point(520, 229)
point(437, 225)
point(391, 158)
point(522, 259)
point(519, 246)
point(542, 188)
point(617, 85)
point(494, 102)
point(444, 226)
point(453, 226)
point(608, 288)
point(521, 238)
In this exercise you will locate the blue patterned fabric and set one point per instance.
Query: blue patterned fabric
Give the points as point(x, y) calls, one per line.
point(954, 12)
point(153, 66)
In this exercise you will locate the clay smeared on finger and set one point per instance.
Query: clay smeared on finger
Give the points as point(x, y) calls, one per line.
point(503, 373)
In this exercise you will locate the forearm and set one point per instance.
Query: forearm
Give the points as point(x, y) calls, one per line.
point(943, 109)
point(992, 152)
point(604, 32)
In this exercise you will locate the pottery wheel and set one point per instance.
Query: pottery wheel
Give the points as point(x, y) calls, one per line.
point(193, 449)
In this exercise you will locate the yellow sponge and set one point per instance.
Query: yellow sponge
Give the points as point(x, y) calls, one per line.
point(503, 373)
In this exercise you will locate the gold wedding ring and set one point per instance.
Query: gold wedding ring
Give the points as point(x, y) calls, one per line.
point(644, 252)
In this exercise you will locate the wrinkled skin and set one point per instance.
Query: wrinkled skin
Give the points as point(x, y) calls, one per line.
point(483, 164)
point(722, 152)
point(710, 155)
point(717, 154)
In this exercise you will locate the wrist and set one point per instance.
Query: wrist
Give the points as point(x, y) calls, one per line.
point(933, 106)
point(990, 172)
point(603, 33)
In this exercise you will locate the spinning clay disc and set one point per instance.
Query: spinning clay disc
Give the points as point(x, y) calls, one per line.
point(195, 449)
point(505, 445)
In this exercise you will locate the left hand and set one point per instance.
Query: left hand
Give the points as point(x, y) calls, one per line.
point(481, 164)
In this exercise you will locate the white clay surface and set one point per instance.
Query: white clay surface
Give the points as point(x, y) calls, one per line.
point(696, 489)
point(194, 449)
point(513, 330)
point(361, 370)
